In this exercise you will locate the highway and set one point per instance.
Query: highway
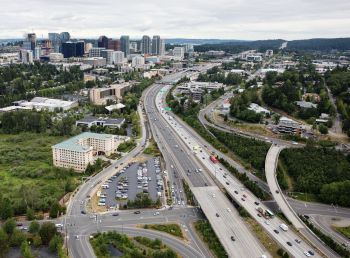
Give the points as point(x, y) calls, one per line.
point(185, 163)
point(218, 172)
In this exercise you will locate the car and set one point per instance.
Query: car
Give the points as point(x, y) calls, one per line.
point(115, 214)
point(289, 243)
point(83, 212)
point(217, 215)
point(306, 217)
point(232, 238)
point(277, 191)
point(156, 213)
point(259, 215)
point(19, 224)
point(256, 203)
point(77, 237)
point(137, 212)
point(244, 196)
point(267, 222)
point(228, 209)
point(276, 231)
point(227, 183)
point(205, 184)
point(236, 192)
point(298, 241)
point(242, 199)
point(307, 254)
point(213, 195)
point(224, 176)
point(311, 253)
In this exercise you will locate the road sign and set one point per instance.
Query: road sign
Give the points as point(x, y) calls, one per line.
point(167, 108)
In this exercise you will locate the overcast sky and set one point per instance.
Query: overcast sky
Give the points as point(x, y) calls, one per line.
point(225, 19)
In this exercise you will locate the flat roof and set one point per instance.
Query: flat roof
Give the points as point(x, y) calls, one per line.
point(74, 145)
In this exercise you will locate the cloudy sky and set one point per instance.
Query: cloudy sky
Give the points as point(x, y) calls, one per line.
point(225, 19)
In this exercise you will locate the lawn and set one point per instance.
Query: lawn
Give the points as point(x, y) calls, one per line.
point(172, 229)
point(344, 231)
point(27, 176)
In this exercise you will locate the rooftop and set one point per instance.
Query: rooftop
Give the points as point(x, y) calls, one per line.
point(74, 144)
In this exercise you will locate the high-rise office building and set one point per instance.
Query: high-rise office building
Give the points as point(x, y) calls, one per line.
point(95, 51)
point(146, 45)
point(114, 44)
point(88, 46)
point(30, 42)
point(37, 53)
point(107, 54)
point(179, 52)
point(102, 42)
point(55, 39)
point(158, 46)
point(73, 49)
point(125, 45)
point(64, 37)
point(133, 47)
point(80, 48)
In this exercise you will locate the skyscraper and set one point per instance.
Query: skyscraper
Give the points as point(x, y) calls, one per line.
point(55, 39)
point(64, 37)
point(30, 42)
point(102, 42)
point(72, 49)
point(162, 47)
point(156, 45)
point(125, 45)
point(146, 47)
point(114, 44)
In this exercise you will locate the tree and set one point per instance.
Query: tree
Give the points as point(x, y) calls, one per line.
point(37, 240)
point(9, 226)
point(30, 214)
point(323, 129)
point(6, 210)
point(55, 243)
point(55, 210)
point(26, 250)
point(47, 231)
point(4, 245)
point(34, 227)
point(17, 238)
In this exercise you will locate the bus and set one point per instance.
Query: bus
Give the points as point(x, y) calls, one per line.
point(269, 213)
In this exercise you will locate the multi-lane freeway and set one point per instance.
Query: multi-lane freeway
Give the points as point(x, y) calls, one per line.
point(187, 166)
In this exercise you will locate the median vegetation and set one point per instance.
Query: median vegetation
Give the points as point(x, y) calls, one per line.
point(113, 244)
point(142, 200)
point(327, 239)
point(172, 229)
point(152, 149)
point(208, 235)
point(189, 195)
point(249, 150)
point(126, 146)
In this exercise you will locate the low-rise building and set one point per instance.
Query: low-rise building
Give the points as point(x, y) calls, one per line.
point(305, 104)
point(100, 96)
point(77, 152)
point(108, 122)
point(287, 125)
point(258, 109)
point(40, 103)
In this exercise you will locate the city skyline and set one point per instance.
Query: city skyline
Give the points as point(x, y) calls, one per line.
point(223, 19)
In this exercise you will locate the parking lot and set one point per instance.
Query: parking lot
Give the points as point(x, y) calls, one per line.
point(134, 178)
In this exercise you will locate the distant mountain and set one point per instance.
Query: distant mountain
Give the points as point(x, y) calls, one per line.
point(320, 44)
point(179, 41)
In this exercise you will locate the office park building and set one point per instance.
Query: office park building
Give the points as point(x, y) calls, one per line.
point(78, 151)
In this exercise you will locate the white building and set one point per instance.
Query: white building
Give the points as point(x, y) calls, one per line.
point(26, 56)
point(137, 61)
point(56, 57)
point(95, 61)
point(107, 54)
point(96, 51)
point(88, 46)
point(37, 53)
point(269, 53)
point(258, 109)
point(79, 151)
point(179, 52)
point(118, 57)
point(40, 103)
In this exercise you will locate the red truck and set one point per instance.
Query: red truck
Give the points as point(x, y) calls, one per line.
point(213, 159)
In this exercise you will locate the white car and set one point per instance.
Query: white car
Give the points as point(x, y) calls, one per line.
point(156, 213)
point(307, 254)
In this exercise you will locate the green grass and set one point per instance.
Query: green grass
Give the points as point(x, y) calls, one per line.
point(152, 149)
point(141, 247)
point(344, 231)
point(27, 174)
point(208, 235)
point(172, 229)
